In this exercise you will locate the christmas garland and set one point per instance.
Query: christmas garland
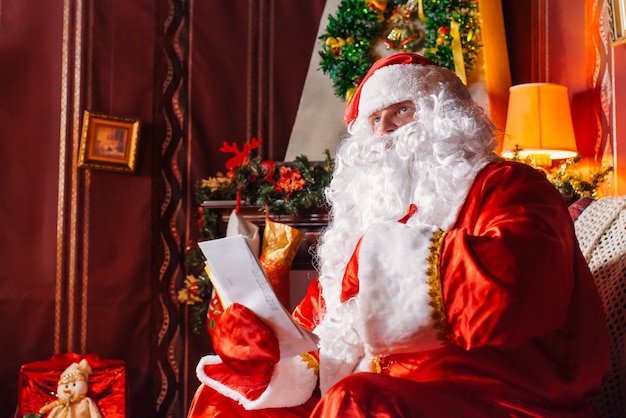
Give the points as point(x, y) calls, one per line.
point(445, 31)
point(277, 188)
point(572, 184)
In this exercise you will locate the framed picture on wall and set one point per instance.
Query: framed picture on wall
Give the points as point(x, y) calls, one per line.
point(108, 142)
point(618, 20)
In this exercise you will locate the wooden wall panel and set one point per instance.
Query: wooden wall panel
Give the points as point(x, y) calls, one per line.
point(77, 258)
point(117, 208)
point(30, 138)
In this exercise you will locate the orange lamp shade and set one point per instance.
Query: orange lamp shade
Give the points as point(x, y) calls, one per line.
point(539, 122)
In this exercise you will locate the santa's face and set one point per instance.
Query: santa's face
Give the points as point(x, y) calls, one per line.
point(69, 389)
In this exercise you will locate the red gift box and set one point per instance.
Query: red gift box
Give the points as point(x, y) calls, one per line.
point(38, 381)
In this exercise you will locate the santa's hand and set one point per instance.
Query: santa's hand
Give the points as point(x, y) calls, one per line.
point(248, 367)
point(245, 343)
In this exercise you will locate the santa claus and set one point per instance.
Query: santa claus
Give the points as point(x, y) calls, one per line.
point(451, 283)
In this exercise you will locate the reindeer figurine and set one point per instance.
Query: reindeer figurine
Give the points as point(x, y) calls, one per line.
point(240, 156)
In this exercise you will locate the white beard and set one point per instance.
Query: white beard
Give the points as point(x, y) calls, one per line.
point(375, 180)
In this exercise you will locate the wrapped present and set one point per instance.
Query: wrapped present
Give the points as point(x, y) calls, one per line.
point(38, 381)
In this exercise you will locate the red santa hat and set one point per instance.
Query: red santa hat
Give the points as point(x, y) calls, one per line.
point(389, 80)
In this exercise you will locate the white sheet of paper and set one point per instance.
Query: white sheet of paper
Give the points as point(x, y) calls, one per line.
point(238, 277)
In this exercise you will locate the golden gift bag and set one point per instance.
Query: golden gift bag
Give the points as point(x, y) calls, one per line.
point(279, 248)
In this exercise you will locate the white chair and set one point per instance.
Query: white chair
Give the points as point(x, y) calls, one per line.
point(601, 232)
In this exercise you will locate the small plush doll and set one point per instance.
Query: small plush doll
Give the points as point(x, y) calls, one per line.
point(72, 397)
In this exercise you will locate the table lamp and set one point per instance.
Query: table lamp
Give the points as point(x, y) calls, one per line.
point(539, 124)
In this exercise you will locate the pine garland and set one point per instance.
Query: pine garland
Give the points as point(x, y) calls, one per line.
point(280, 188)
point(285, 189)
point(571, 183)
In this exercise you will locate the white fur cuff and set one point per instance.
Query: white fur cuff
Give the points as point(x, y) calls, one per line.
point(394, 295)
point(292, 384)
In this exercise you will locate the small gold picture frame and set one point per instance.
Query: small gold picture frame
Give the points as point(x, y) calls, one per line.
point(617, 10)
point(108, 142)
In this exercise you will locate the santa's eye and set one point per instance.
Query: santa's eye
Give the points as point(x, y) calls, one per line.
point(374, 119)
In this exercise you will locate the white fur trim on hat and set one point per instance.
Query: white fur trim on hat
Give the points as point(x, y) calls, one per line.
point(292, 384)
point(389, 85)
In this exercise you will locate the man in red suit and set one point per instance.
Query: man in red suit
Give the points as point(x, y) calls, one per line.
point(451, 283)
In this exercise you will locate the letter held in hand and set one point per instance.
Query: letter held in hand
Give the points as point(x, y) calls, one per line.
point(238, 277)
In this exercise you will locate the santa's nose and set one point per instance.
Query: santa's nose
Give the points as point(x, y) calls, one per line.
point(386, 125)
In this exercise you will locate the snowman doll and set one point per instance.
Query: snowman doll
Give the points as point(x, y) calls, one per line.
point(72, 400)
